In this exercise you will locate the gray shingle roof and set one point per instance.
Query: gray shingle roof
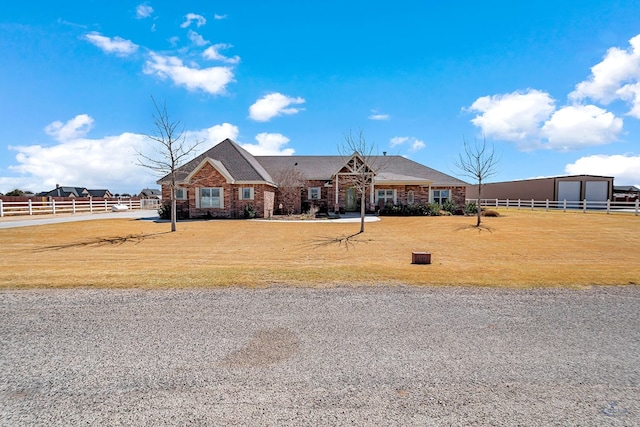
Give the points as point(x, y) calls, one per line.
point(241, 165)
point(313, 167)
point(402, 165)
point(65, 191)
point(244, 167)
point(388, 167)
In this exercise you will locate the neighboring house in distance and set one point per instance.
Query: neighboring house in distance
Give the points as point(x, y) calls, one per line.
point(150, 193)
point(626, 193)
point(222, 181)
point(75, 192)
point(64, 191)
point(106, 194)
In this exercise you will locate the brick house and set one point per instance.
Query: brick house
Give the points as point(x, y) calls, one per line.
point(223, 181)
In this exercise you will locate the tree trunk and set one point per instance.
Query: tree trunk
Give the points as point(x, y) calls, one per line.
point(173, 213)
point(363, 199)
point(479, 204)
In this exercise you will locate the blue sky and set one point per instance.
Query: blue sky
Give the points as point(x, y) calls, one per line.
point(554, 86)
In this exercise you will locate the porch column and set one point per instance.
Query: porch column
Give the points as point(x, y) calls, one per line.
point(372, 199)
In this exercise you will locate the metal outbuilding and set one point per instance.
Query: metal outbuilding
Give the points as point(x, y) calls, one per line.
point(557, 188)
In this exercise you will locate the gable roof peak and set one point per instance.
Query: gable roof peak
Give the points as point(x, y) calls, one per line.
point(239, 164)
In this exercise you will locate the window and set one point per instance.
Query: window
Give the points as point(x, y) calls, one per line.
point(314, 193)
point(246, 193)
point(440, 196)
point(211, 198)
point(181, 193)
point(410, 197)
point(386, 196)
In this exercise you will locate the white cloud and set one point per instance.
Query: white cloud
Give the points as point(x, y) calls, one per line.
point(610, 76)
point(109, 162)
point(513, 116)
point(116, 45)
point(379, 117)
point(375, 115)
point(531, 120)
point(625, 168)
point(631, 93)
point(212, 53)
point(580, 126)
point(75, 128)
point(213, 135)
point(219, 17)
point(273, 104)
point(94, 163)
point(143, 11)
point(397, 140)
point(415, 144)
point(191, 17)
point(269, 144)
point(212, 80)
point(197, 39)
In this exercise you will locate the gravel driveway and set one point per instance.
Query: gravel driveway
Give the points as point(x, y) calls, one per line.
point(339, 356)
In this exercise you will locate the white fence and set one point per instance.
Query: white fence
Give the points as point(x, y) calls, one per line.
point(31, 207)
point(563, 205)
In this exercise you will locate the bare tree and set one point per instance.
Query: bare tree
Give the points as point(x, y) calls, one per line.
point(290, 181)
point(171, 150)
point(362, 162)
point(479, 163)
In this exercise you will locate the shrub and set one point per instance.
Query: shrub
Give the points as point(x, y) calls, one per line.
point(470, 208)
point(311, 213)
point(490, 213)
point(434, 209)
point(249, 212)
point(449, 206)
point(164, 211)
point(389, 209)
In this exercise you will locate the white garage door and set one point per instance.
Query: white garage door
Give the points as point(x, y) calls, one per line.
point(569, 191)
point(596, 191)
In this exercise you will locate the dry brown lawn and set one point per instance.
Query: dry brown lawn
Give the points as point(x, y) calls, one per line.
point(518, 249)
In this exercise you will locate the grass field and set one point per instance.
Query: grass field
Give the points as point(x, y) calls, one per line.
point(519, 249)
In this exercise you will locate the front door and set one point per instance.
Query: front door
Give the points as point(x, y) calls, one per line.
point(351, 202)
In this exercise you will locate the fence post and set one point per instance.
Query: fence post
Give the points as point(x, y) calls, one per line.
point(91, 204)
point(130, 204)
point(608, 206)
point(1, 209)
point(73, 204)
point(496, 203)
point(531, 204)
point(637, 206)
point(30, 208)
point(507, 203)
point(518, 204)
point(584, 206)
point(53, 206)
point(564, 205)
point(546, 206)
point(106, 205)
